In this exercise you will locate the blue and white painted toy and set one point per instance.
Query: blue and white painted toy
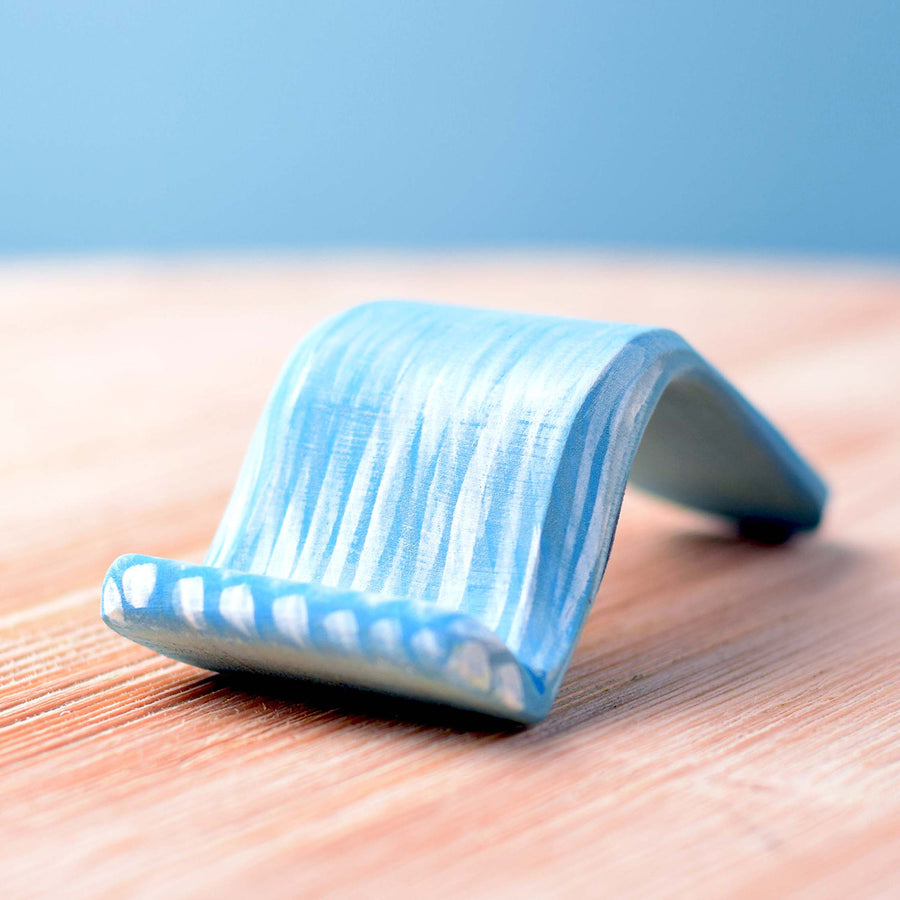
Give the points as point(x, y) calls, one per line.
point(429, 501)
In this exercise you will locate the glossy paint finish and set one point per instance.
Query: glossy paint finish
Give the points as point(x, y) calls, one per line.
point(429, 501)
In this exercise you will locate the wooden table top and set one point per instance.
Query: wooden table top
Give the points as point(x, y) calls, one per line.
point(730, 725)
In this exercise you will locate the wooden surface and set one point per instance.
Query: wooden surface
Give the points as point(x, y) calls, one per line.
point(731, 722)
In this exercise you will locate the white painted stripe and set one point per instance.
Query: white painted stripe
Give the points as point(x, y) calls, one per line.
point(291, 618)
point(508, 686)
point(236, 607)
point(112, 601)
point(469, 662)
point(427, 645)
point(386, 639)
point(522, 616)
point(188, 600)
point(342, 628)
point(138, 583)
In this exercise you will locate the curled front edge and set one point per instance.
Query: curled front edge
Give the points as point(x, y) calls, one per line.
point(429, 501)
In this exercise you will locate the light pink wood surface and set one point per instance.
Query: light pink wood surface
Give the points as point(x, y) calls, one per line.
point(731, 722)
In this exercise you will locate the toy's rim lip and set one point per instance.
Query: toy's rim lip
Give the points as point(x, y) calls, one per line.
point(156, 621)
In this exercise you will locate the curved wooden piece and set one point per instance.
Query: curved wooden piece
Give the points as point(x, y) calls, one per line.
point(429, 501)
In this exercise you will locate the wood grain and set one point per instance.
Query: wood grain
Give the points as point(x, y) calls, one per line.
point(731, 722)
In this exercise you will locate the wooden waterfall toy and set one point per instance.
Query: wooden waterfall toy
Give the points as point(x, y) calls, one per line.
point(429, 500)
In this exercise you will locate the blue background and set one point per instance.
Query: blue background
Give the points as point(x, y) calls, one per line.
point(760, 125)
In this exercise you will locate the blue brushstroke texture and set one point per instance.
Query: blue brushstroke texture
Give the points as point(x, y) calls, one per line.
point(456, 476)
